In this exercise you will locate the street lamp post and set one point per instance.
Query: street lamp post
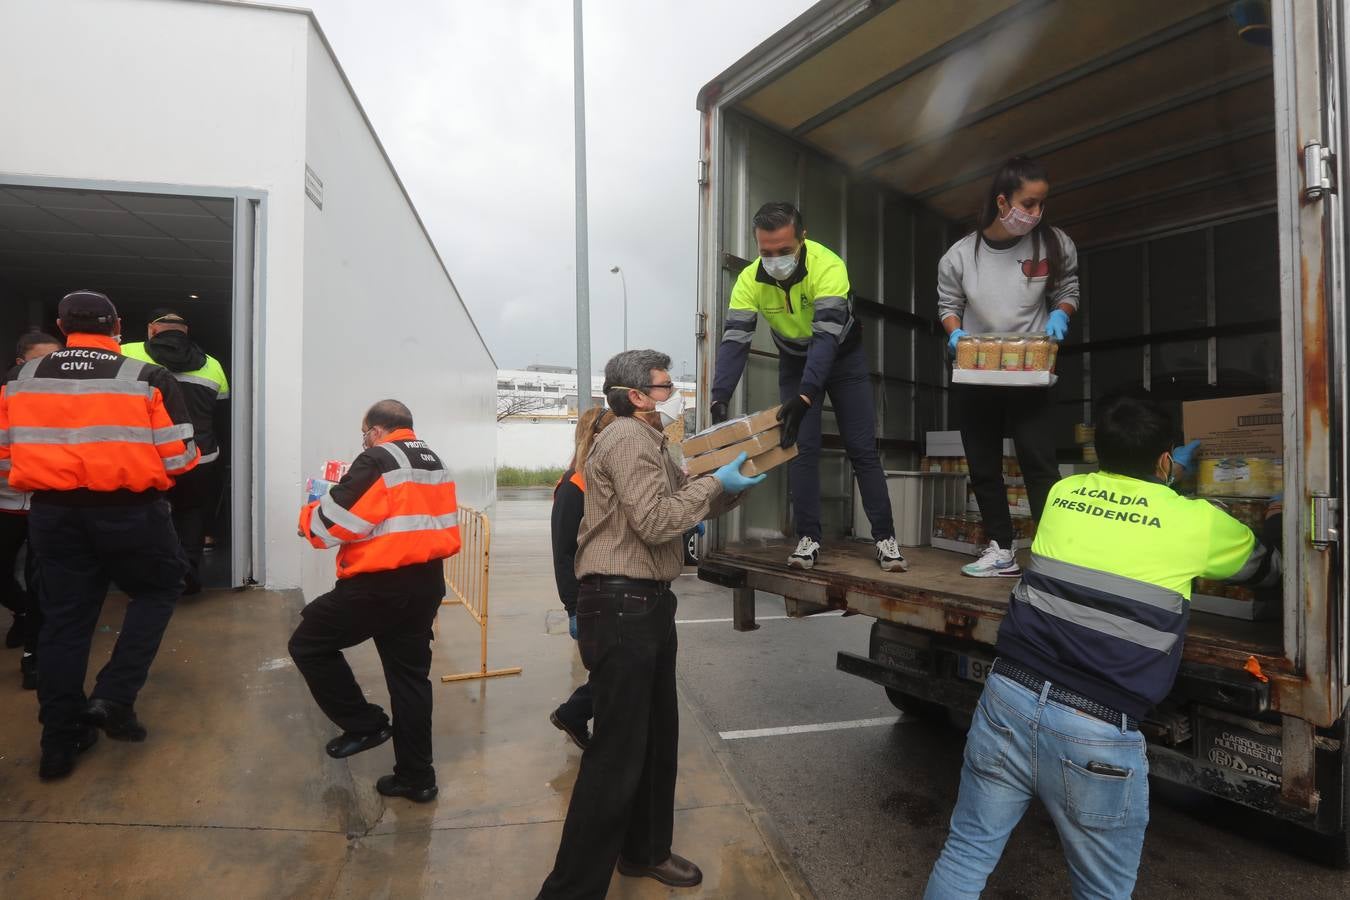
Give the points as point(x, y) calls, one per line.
point(615, 270)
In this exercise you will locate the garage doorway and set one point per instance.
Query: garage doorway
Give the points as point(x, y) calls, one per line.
point(189, 251)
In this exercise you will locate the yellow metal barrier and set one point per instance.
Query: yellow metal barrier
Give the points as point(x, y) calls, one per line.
point(466, 582)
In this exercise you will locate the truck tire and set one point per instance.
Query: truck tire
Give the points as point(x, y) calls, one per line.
point(916, 707)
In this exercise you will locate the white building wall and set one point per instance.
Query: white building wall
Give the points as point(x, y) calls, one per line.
point(547, 443)
point(188, 94)
point(382, 318)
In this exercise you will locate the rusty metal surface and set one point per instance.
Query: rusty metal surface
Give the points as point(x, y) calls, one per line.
point(1299, 786)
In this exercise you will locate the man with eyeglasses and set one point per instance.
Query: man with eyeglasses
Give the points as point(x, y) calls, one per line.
point(629, 549)
point(802, 290)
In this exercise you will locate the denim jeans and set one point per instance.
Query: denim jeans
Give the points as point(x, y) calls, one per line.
point(1021, 746)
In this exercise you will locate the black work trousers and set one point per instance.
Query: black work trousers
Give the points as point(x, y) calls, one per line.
point(578, 709)
point(193, 498)
point(20, 599)
point(986, 415)
point(850, 390)
point(399, 621)
point(81, 551)
point(624, 798)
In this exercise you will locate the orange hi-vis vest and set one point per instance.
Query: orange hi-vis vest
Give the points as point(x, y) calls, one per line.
point(395, 507)
point(86, 418)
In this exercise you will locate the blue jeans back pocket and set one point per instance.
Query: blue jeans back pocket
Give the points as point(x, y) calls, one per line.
point(987, 743)
point(1095, 800)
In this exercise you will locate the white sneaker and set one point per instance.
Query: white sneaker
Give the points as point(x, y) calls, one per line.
point(994, 562)
point(889, 558)
point(806, 554)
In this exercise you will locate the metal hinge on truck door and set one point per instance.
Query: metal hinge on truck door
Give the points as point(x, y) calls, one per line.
point(1326, 521)
point(700, 325)
point(1317, 170)
point(702, 171)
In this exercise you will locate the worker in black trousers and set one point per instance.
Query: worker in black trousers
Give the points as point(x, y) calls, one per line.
point(393, 518)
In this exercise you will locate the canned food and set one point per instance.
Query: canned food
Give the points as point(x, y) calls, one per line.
point(987, 357)
point(1038, 354)
point(967, 352)
point(1013, 356)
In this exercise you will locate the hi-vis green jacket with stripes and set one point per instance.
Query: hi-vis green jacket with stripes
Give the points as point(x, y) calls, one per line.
point(1103, 606)
point(811, 315)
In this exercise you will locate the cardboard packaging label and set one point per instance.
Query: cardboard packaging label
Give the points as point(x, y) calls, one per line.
point(729, 432)
point(1235, 427)
point(752, 447)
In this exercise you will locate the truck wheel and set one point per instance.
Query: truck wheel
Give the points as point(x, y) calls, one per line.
point(914, 706)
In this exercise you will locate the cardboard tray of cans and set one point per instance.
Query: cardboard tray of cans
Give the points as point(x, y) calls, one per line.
point(1005, 359)
point(756, 435)
point(965, 533)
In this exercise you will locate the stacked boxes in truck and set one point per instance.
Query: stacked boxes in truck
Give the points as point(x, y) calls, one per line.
point(1194, 168)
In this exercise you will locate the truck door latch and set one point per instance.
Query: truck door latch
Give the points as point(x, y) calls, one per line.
point(1326, 521)
point(1317, 171)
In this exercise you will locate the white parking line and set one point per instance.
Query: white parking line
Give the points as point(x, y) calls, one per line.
point(828, 615)
point(807, 729)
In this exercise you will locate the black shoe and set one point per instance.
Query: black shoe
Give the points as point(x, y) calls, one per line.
point(350, 743)
point(14, 638)
point(58, 762)
point(579, 734)
point(393, 786)
point(28, 669)
point(675, 872)
point(117, 720)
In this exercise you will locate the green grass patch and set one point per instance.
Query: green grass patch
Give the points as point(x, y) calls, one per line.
point(510, 476)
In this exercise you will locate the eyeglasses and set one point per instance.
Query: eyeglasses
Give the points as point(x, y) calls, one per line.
point(668, 385)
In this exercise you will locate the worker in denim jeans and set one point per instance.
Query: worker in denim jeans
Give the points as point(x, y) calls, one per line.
point(1092, 641)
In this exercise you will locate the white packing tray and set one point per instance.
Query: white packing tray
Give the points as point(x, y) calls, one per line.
point(999, 378)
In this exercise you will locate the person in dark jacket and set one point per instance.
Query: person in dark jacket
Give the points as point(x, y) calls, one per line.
point(203, 383)
point(22, 599)
point(569, 503)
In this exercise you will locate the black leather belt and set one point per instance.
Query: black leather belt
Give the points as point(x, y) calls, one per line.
point(1072, 699)
point(644, 584)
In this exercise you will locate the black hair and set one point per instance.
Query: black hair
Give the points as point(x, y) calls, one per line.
point(1132, 431)
point(389, 414)
point(777, 213)
point(1007, 181)
point(32, 339)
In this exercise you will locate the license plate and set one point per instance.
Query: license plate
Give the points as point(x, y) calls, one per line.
point(973, 668)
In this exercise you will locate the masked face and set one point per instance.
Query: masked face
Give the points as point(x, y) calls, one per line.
point(779, 268)
point(671, 409)
point(368, 437)
point(1019, 222)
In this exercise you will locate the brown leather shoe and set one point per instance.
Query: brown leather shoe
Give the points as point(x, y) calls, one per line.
point(674, 872)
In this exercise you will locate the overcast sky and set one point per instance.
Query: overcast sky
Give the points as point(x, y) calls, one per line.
point(473, 101)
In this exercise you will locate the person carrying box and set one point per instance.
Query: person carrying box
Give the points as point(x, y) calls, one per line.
point(802, 290)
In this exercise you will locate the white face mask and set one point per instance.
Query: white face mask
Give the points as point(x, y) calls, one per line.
point(671, 409)
point(779, 268)
point(1018, 221)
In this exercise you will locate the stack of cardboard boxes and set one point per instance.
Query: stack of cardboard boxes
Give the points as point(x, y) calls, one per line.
point(757, 436)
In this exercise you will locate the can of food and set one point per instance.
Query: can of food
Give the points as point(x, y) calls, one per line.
point(1013, 356)
point(967, 352)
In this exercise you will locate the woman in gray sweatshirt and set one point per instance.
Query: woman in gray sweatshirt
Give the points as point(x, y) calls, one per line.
point(1016, 273)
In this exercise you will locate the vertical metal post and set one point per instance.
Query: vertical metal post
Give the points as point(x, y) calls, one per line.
point(583, 252)
point(618, 270)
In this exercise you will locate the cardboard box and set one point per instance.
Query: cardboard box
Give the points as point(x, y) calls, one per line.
point(758, 465)
point(752, 447)
point(729, 432)
point(1251, 426)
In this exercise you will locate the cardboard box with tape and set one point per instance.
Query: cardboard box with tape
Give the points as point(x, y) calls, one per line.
point(1241, 445)
point(756, 435)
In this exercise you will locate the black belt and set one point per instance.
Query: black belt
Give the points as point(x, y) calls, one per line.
point(619, 581)
point(1072, 699)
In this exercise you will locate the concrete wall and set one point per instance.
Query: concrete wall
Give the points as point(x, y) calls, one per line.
point(535, 445)
point(382, 318)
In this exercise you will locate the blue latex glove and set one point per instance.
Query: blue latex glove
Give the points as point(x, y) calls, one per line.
point(1185, 456)
point(701, 528)
point(1058, 325)
point(572, 626)
point(733, 482)
point(953, 338)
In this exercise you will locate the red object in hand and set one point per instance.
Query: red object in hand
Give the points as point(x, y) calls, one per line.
point(334, 469)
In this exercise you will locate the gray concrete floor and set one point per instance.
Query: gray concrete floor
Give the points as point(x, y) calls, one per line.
point(232, 795)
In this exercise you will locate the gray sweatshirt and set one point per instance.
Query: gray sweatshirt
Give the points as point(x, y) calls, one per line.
point(991, 292)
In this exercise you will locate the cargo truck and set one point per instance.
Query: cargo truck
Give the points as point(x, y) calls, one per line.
point(1196, 151)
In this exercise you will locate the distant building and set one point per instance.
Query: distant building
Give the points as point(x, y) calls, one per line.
point(537, 414)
